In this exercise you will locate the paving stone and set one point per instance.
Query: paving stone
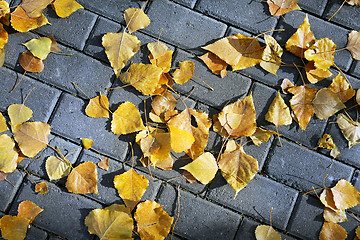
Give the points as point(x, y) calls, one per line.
point(348, 15)
point(8, 191)
point(253, 16)
point(247, 230)
point(34, 233)
point(57, 205)
point(198, 219)
point(250, 202)
point(41, 101)
point(315, 6)
point(307, 219)
point(263, 97)
point(321, 29)
point(356, 182)
point(234, 85)
point(181, 26)
point(355, 69)
point(303, 168)
point(70, 121)
point(188, 3)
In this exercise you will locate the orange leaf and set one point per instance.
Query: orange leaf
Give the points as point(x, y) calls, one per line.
point(215, 64)
point(83, 179)
point(345, 195)
point(286, 84)
point(279, 112)
point(30, 63)
point(21, 22)
point(98, 107)
point(332, 231)
point(41, 188)
point(104, 164)
point(4, 9)
point(353, 2)
point(261, 135)
point(126, 119)
point(314, 74)
point(34, 8)
point(28, 210)
point(334, 216)
point(280, 7)
point(65, 8)
point(163, 103)
point(14, 227)
point(326, 142)
point(185, 72)
point(342, 88)
point(264, 232)
point(3, 36)
point(322, 53)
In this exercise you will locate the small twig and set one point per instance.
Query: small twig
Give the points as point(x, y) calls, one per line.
point(337, 10)
point(178, 212)
point(18, 82)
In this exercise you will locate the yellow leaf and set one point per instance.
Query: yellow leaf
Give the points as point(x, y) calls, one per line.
point(131, 187)
point(3, 126)
point(8, 154)
point(65, 8)
point(264, 232)
point(98, 107)
point(342, 88)
point(163, 62)
point(4, 8)
point(334, 216)
point(32, 137)
point(280, 7)
point(345, 195)
point(3, 35)
point(110, 223)
point(40, 48)
point(349, 128)
point(83, 179)
point(19, 113)
point(203, 168)
point(14, 227)
point(353, 44)
point(28, 210)
point(326, 103)
point(357, 98)
point(57, 168)
point(215, 64)
point(301, 104)
point(119, 48)
point(30, 63)
point(286, 84)
point(332, 231)
point(357, 232)
point(322, 53)
point(157, 49)
point(302, 39)
point(34, 8)
point(314, 74)
point(185, 72)
point(238, 50)
point(126, 119)
point(279, 112)
point(41, 188)
point(326, 142)
point(87, 143)
point(136, 19)
point(261, 135)
point(271, 57)
point(104, 164)
point(152, 221)
point(236, 166)
point(2, 57)
point(353, 2)
point(21, 22)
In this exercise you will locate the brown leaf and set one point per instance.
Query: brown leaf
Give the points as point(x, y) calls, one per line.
point(326, 142)
point(238, 50)
point(264, 232)
point(326, 103)
point(334, 216)
point(314, 74)
point(345, 195)
point(21, 22)
point(3, 36)
point(342, 88)
point(271, 57)
point(349, 128)
point(163, 103)
point(8, 154)
point(30, 63)
point(286, 84)
point(41, 188)
point(28, 210)
point(14, 227)
point(19, 113)
point(104, 164)
point(65, 8)
point(34, 8)
point(261, 135)
point(54, 46)
point(215, 64)
point(83, 179)
point(353, 44)
point(98, 107)
point(280, 7)
point(126, 119)
point(322, 53)
point(185, 72)
point(332, 231)
point(2, 176)
point(301, 104)
point(3, 125)
point(136, 19)
point(279, 112)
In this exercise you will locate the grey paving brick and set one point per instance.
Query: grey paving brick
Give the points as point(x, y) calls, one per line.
point(263, 97)
point(232, 87)
point(181, 26)
point(307, 219)
point(250, 202)
point(57, 206)
point(303, 168)
point(321, 29)
point(348, 16)
point(315, 6)
point(356, 182)
point(70, 121)
point(8, 191)
point(41, 101)
point(34, 233)
point(188, 3)
point(253, 16)
point(355, 69)
point(198, 219)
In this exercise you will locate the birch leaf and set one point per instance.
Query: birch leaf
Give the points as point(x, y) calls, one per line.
point(83, 179)
point(279, 112)
point(342, 88)
point(40, 48)
point(271, 57)
point(57, 168)
point(322, 53)
point(21, 22)
point(314, 74)
point(136, 19)
point(29, 210)
point(3, 126)
point(264, 232)
point(185, 72)
point(326, 103)
point(65, 8)
point(8, 154)
point(98, 107)
point(261, 135)
point(126, 119)
point(34, 8)
point(353, 44)
point(14, 227)
point(215, 64)
point(349, 128)
point(19, 113)
point(280, 7)
point(332, 231)
point(30, 63)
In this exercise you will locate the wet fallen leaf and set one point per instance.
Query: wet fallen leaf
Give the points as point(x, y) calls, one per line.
point(342, 88)
point(87, 143)
point(349, 128)
point(3, 126)
point(332, 231)
point(19, 113)
point(326, 103)
point(126, 119)
point(57, 168)
point(98, 107)
point(32, 137)
point(185, 72)
point(30, 63)
point(271, 57)
point(3, 36)
point(104, 164)
point(265, 232)
point(83, 179)
point(65, 8)
point(113, 222)
point(236, 166)
point(136, 19)
point(353, 44)
point(215, 64)
point(34, 8)
point(261, 135)
point(203, 168)
point(286, 84)
point(314, 74)
point(29, 210)
point(8, 154)
point(322, 53)
point(131, 187)
point(326, 142)
point(280, 7)
point(14, 227)
point(21, 22)
point(40, 48)
point(152, 221)
point(238, 50)
point(119, 48)
point(345, 195)
point(41, 188)
point(279, 112)
point(301, 104)
point(334, 216)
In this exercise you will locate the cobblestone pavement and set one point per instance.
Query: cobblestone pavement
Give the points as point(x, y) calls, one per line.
point(206, 212)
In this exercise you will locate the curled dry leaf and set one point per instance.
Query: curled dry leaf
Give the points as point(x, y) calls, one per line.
point(119, 48)
point(271, 57)
point(126, 119)
point(41, 188)
point(29, 210)
point(163, 103)
point(280, 7)
point(21, 22)
point(87, 143)
point(3, 36)
point(131, 187)
point(265, 232)
point(14, 227)
point(104, 164)
point(236, 166)
point(57, 168)
point(335, 153)
point(353, 44)
point(152, 221)
point(3, 125)
point(65, 8)
point(8, 154)
point(314, 74)
point(30, 63)
point(136, 19)
point(322, 53)
point(334, 216)
point(349, 128)
point(98, 107)
point(83, 179)
point(185, 72)
point(40, 48)
point(326, 103)
point(32, 137)
point(279, 112)
point(332, 231)
point(215, 64)
point(113, 222)
point(19, 113)
point(326, 142)
point(301, 40)
point(342, 88)
point(34, 8)
point(286, 84)
point(261, 135)
point(238, 50)
point(203, 168)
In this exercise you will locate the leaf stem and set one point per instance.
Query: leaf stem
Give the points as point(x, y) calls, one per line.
point(18, 82)
point(337, 10)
